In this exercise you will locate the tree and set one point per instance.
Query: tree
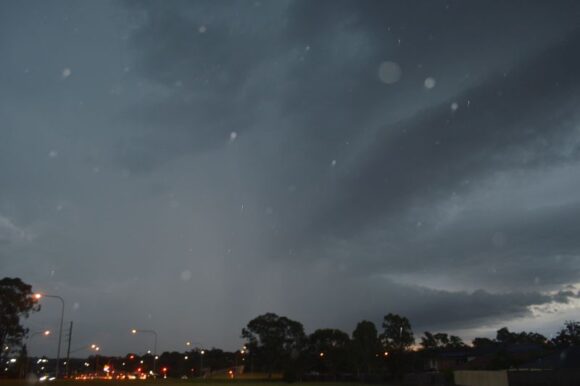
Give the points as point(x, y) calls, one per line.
point(16, 302)
point(434, 341)
point(428, 341)
point(482, 342)
point(397, 338)
point(441, 341)
point(503, 335)
point(398, 334)
point(506, 337)
point(274, 340)
point(455, 342)
point(569, 335)
point(329, 347)
point(366, 345)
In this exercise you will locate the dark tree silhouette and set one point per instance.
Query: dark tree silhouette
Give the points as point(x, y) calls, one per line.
point(569, 335)
point(330, 348)
point(274, 340)
point(366, 345)
point(397, 334)
point(16, 302)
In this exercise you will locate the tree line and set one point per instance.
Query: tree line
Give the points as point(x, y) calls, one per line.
point(278, 344)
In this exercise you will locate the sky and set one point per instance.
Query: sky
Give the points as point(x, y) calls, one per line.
point(185, 166)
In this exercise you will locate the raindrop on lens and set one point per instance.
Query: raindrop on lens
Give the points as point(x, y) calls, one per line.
point(390, 72)
point(429, 83)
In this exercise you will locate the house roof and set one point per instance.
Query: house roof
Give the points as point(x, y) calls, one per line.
point(568, 358)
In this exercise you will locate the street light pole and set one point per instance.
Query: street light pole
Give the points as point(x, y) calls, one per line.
point(96, 348)
point(38, 297)
point(202, 352)
point(68, 350)
point(27, 345)
point(135, 331)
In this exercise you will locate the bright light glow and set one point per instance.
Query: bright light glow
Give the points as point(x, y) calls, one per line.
point(13, 360)
point(386, 353)
point(202, 352)
point(93, 346)
point(321, 354)
point(37, 296)
point(188, 343)
point(186, 357)
point(46, 333)
point(133, 331)
point(164, 369)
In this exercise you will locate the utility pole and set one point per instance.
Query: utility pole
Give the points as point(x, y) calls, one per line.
point(67, 372)
point(38, 297)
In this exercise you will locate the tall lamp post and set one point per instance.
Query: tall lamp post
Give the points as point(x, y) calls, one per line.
point(39, 296)
point(201, 352)
point(43, 333)
point(135, 331)
point(96, 348)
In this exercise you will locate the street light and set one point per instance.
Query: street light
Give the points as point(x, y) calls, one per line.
point(39, 296)
point(97, 349)
point(94, 347)
point(135, 331)
point(43, 333)
point(246, 351)
point(202, 352)
point(189, 343)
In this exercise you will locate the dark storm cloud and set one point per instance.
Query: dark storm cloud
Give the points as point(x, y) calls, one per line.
point(521, 119)
point(521, 122)
point(367, 296)
point(313, 66)
point(473, 309)
point(327, 95)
